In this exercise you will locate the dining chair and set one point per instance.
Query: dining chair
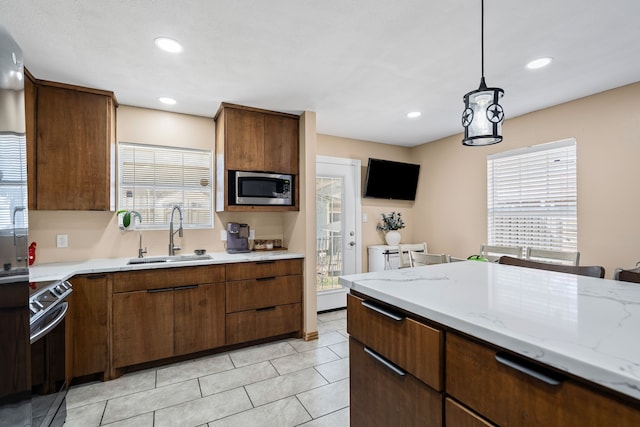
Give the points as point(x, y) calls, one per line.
point(628, 275)
point(583, 270)
point(418, 259)
point(404, 260)
point(493, 253)
point(557, 257)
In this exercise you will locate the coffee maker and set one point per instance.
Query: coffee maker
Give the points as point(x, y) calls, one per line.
point(237, 238)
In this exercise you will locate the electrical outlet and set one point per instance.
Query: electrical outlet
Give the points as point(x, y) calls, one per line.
point(223, 235)
point(62, 240)
point(252, 234)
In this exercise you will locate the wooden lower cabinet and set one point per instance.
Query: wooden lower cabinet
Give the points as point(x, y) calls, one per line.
point(382, 397)
point(87, 325)
point(142, 326)
point(199, 318)
point(256, 324)
point(263, 299)
point(508, 397)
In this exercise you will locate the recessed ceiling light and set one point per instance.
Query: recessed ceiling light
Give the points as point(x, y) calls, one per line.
point(539, 63)
point(168, 45)
point(168, 101)
point(414, 114)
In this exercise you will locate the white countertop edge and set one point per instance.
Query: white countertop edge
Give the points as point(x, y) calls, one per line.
point(608, 378)
point(65, 270)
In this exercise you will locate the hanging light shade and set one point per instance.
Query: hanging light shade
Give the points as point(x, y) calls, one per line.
point(483, 115)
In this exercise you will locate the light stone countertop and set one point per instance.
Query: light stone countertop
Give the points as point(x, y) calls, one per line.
point(585, 326)
point(65, 270)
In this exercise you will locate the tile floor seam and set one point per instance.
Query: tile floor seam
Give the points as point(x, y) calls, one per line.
point(305, 408)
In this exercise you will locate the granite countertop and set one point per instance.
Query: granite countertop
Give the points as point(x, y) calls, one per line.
point(585, 326)
point(65, 270)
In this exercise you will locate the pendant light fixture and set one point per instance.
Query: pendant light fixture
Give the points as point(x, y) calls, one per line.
point(483, 115)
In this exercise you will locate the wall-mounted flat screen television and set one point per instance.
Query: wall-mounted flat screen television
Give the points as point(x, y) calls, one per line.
point(391, 180)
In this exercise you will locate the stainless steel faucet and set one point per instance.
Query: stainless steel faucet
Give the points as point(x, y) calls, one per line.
point(172, 247)
point(141, 251)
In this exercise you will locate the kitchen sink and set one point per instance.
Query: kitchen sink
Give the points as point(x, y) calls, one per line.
point(175, 258)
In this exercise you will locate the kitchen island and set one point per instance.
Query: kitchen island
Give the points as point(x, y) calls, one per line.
point(490, 344)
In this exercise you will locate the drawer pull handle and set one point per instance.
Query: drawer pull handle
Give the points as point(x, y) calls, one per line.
point(273, 307)
point(529, 368)
point(183, 288)
point(385, 362)
point(382, 311)
point(154, 291)
point(265, 262)
point(96, 276)
point(265, 279)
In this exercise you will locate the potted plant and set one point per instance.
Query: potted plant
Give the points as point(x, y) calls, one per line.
point(390, 224)
point(128, 218)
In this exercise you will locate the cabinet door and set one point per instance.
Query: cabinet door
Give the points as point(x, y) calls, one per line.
point(142, 326)
point(281, 144)
point(382, 397)
point(30, 124)
point(199, 317)
point(73, 149)
point(245, 326)
point(87, 324)
point(244, 140)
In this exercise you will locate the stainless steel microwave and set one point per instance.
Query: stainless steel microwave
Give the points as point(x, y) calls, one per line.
point(260, 188)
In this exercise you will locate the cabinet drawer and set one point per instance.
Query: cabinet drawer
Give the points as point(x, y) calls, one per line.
point(266, 292)
point(413, 346)
point(518, 399)
point(260, 269)
point(251, 325)
point(382, 397)
point(167, 277)
point(457, 415)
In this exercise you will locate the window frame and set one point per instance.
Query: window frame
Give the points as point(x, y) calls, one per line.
point(548, 178)
point(165, 208)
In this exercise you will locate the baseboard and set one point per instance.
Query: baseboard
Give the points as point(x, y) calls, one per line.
point(310, 336)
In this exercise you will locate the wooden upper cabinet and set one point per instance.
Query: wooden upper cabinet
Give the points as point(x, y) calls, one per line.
point(257, 140)
point(244, 140)
point(281, 144)
point(74, 143)
point(30, 123)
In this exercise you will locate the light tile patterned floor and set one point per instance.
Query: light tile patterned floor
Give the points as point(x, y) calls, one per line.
point(285, 383)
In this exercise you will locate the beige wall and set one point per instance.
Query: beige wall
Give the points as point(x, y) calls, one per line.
point(453, 184)
point(372, 208)
point(96, 234)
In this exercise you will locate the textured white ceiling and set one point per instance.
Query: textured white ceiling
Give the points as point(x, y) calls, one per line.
point(362, 65)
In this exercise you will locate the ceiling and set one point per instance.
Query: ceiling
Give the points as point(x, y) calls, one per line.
point(361, 65)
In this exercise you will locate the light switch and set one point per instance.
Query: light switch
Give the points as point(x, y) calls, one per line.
point(365, 217)
point(62, 240)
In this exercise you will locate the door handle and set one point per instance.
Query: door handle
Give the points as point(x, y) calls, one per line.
point(529, 368)
point(382, 311)
point(352, 243)
point(55, 322)
point(396, 370)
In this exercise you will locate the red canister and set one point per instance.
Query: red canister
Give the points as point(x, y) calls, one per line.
point(32, 253)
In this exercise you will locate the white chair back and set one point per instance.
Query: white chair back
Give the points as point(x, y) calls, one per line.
point(404, 260)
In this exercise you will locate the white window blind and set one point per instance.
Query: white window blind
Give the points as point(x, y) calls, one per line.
point(532, 197)
point(153, 179)
point(13, 181)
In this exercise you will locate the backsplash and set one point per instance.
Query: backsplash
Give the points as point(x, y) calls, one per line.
point(96, 235)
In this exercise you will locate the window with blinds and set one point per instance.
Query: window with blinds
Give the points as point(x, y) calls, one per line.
point(532, 197)
point(13, 181)
point(153, 179)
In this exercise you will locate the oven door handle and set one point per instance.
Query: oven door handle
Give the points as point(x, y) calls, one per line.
point(55, 322)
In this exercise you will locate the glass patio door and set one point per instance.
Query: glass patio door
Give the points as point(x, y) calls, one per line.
point(337, 227)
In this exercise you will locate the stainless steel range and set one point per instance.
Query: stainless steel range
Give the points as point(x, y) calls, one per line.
point(48, 306)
